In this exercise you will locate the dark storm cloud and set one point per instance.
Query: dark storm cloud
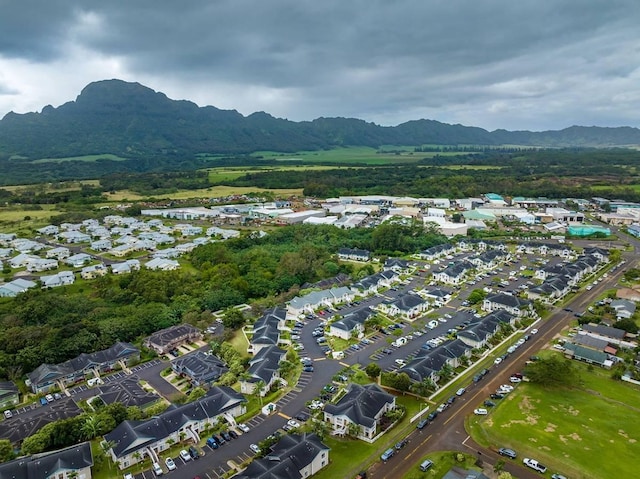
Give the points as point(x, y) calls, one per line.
point(536, 64)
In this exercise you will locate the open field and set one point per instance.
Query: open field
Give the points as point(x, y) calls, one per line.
point(229, 173)
point(587, 433)
point(106, 156)
point(635, 187)
point(360, 154)
point(12, 218)
point(52, 187)
point(213, 192)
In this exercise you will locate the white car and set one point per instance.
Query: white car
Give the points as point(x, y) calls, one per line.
point(49, 397)
point(497, 361)
point(480, 411)
point(506, 387)
point(128, 475)
point(417, 334)
point(170, 464)
point(432, 324)
point(243, 427)
point(8, 414)
point(157, 470)
point(515, 380)
point(534, 331)
point(401, 362)
point(315, 404)
point(184, 454)
point(254, 448)
point(293, 423)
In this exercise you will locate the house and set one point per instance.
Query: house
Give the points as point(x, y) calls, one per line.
point(126, 267)
point(293, 456)
point(74, 237)
point(438, 251)
point(396, 264)
point(93, 271)
point(264, 370)
point(162, 264)
point(266, 330)
point(72, 462)
point(26, 245)
point(78, 260)
point(133, 441)
point(459, 473)
point(201, 368)
point(22, 260)
point(481, 330)
point(624, 308)
point(49, 376)
point(513, 304)
point(437, 295)
point(453, 274)
point(372, 283)
point(41, 264)
point(58, 253)
point(101, 245)
point(15, 287)
point(317, 299)
point(60, 279)
point(363, 406)
point(429, 364)
point(349, 254)
point(48, 230)
point(590, 356)
point(351, 325)
point(170, 338)
point(612, 335)
point(9, 395)
point(408, 306)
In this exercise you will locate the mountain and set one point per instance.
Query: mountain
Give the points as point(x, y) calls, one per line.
point(133, 121)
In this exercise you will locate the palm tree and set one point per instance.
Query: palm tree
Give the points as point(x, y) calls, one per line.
point(91, 426)
point(106, 448)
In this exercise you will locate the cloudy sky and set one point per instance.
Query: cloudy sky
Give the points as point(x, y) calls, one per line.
point(513, 64)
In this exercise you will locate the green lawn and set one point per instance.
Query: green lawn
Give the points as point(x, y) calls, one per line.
point(582, 433)
point(360, 154)
point(442, 462)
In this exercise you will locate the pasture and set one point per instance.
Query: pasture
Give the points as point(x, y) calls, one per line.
point(586, 433)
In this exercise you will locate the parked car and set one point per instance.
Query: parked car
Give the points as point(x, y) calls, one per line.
point(510, 453)
point(8, 414)
point(254, 448)
point(308, 369)
point(460, 391)
point(557, 476)
point(422, 424)
point(401, 444)
point(212, 443)
point(426, 465)
point(225, 435)
point(432, 415)
point(170, 464)
point(496, 396)
point(243, 427)
point(489, 403)
point(497, 361)
point(480, 411)
point(157, 470)
point(293, 423)
point(535, 465)
point(184, 454)
point(193, 452)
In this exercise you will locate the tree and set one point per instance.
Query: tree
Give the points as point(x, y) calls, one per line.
point(505, 475)
point(6, 450)
point(629, 325)
point(233, 318)
point(373, 370)
point(91, 426)
point(477, 296)
point(553, 371)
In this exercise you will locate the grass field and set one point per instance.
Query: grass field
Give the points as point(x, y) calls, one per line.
point(106, 156)
point(442, 462)
point(12, 219)
point(51, 187)
point(224, 174)
point(587, 433)
point(213, 192)
point(360, 154)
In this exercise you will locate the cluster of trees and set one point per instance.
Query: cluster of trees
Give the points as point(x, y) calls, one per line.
point(51, 326)
point(84, 427)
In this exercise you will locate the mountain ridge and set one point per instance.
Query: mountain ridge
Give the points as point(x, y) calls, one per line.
point(132, 120)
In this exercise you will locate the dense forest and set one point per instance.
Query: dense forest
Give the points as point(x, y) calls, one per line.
point(55, 325)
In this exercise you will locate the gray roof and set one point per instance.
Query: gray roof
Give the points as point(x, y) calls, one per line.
point(168, 335)
point(131, 436)
point(359, 316)
point(127, 392)
point(361, 404)
point(603, 330)
point(288, 456)
point(49, 464)
point(51, 372)
point(509, 300)
point(200, 367)
point(265, 364)
point(405, 302)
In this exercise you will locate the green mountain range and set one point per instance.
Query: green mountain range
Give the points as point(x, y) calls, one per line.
point(148, 129)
